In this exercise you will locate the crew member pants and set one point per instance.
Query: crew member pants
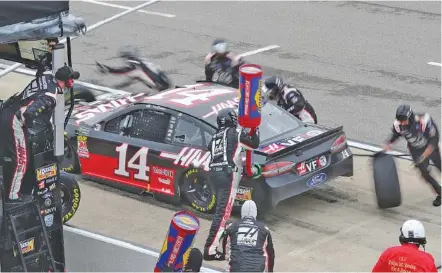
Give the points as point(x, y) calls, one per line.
point(424, 166)
point(226, 185)
point(18, 173)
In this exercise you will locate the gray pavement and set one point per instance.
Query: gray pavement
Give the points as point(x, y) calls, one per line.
point(356, 61)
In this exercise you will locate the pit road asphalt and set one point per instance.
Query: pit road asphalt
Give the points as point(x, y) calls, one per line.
point(355, 61)
point(336, 227)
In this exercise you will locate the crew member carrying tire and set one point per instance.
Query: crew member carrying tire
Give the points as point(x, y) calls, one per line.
point(225, 173)
point(407, 257)
point(35, 103)
point(422, 137)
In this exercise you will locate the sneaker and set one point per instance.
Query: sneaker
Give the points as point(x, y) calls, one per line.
point(436, 201)
point(214, 257)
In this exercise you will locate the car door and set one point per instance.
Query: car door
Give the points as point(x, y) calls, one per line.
point(192, 137)
point(126, 150)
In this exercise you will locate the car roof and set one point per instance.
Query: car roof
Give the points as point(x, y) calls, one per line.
point(202, 100)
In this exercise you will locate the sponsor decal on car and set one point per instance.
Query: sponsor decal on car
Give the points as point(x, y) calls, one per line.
point(162, 178)
point(104, 106)
point(288, 142)
point(316, 180)
point(46, 172)
point(311, 165)
point(190, 157)
point(226, 104)
point(244, 193)
point(82, 149)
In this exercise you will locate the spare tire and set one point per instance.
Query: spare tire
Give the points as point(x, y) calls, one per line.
point(386, 181)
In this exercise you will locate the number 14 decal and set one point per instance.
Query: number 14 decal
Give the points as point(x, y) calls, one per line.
point(141, 168)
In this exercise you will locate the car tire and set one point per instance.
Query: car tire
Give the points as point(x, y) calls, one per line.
point(198, 191)
point(70, 162)
point(386, 181)
point(70, 196)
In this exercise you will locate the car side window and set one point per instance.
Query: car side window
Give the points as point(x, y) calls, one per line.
point(187, 133)
point(147, 124)
point(151, 125)
point(208, 137)
point(116, 125)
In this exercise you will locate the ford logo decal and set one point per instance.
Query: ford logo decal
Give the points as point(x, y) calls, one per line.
point(316, 180)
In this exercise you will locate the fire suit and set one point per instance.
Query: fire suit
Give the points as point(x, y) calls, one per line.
point(293, 101)
point(405, 258)
point(225, 173)
point(419, 135)
point(35, 103)
point(248, 246)
point(226, 68)
point(138, 69)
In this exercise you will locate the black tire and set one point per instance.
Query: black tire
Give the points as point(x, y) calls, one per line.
point(70, 162)
point(386, 181)
point(198, 191)
point(70, 196)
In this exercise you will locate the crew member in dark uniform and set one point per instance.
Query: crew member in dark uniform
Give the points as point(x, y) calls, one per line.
point(226, 169)
point(422, 137)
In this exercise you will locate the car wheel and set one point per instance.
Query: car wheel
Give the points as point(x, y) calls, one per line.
point(386, 181)
point(198, 190)
point(70, 196)
point(70, 162)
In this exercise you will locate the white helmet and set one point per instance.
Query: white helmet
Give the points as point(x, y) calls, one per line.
point(249, 209)
point(413, 232)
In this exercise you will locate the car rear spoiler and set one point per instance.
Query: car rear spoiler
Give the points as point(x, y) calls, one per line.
point(301, 144)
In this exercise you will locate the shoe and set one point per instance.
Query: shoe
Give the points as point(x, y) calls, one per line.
point(436, 202)
point(214, 257)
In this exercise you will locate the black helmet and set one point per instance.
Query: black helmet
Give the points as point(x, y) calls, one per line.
point(227, 117)
point(404, 112)
point(274, 86)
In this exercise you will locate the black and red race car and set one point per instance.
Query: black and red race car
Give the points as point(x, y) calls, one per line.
point(158, 144)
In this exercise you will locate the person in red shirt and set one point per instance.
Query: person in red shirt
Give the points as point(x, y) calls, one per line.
point(407, 257)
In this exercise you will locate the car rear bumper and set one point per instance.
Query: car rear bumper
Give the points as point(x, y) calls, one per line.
point(282, 188)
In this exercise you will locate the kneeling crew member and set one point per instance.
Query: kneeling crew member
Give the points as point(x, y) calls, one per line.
point(407, 257)
point(226, 168)
point(248, 244)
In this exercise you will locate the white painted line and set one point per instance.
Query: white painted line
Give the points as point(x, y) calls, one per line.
point(436, 64)
point(107, 4)
point(119, 243)
point(259, 50)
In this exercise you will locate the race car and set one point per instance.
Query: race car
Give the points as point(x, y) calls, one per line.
point(158, 144)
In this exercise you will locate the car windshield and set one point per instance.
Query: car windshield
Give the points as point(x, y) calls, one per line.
point(275, 121)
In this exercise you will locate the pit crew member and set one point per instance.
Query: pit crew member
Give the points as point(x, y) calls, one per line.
point(289, 98)
point(422, 137)
point(223, 63)
point(248, 243)
point(225, 173)
point(35, 103)
point(138, 69)
point(407, 257)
